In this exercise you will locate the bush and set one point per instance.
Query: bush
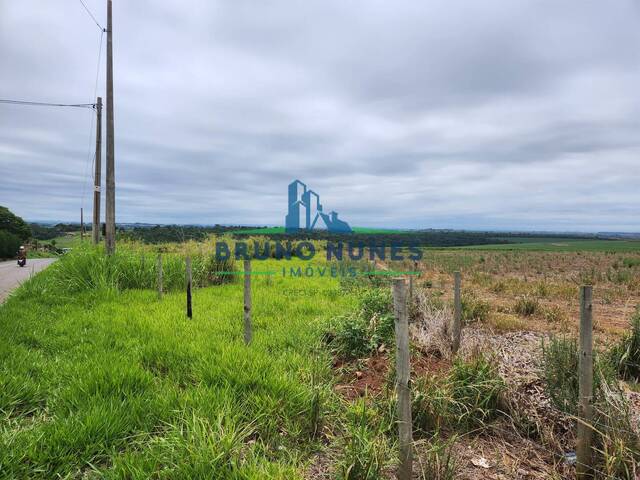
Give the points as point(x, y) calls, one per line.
point(560, 359)
point(526, 306)
point(364, 446)
point(467, 397)
point(438, 462)
point(349, 337)
point(554, 314)
point(626, 354)
point(474, 309)
point(9, 244)
point(88, 268)
point(560, 372)
point(617, 440)
point(357, 335)
point(13, 224)
point(376, 302)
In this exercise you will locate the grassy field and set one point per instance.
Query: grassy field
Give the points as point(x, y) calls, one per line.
point(564, 245)
point(281, 230)
point(123, 385)
point(101, 379)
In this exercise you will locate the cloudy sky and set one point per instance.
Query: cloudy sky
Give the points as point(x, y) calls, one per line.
point(445, 114)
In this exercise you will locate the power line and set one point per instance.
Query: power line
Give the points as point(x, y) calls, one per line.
point(46, 104)
point(95, 93)
point(91, 15)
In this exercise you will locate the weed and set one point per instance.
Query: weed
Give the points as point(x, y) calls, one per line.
point(357, 334)
point(474, 309)
point(466, 398)
point(554, 314)
point(364, 447)
point(437, 461)
point(505, 322)
point(617, 439)
point(626, 353)
point(631, 262)
point(526, 306)
point(560, 360)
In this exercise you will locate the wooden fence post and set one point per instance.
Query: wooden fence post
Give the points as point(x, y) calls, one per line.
point(159, 268)
point(248, 330)
point(457, 313)
point(403, 369)
point(585, 395)
point(188, 273)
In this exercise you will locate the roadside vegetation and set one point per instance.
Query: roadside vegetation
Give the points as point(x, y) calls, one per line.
point(99, 378)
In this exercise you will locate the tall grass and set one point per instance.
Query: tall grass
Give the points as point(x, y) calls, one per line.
point(465, 399)
point(88, 268)
point(626, 353)
point(105, 385)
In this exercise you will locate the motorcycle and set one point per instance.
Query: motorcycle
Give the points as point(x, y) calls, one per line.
point(22, 262)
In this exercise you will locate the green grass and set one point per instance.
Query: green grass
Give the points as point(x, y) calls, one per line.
point(281, 230)
point(107, 383)
point(564, 245)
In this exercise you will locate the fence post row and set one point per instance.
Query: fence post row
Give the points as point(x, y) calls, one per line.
point(403, 369)
point(188, 275)
point(457, 313)
point(248, 329)
point(585, 389)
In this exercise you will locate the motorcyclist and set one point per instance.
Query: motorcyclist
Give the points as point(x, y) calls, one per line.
point(22, 255)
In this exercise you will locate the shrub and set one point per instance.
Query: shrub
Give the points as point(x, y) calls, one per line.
point(505, 322)
point(560, 359)
point(476, 387)
point(631, 262)
point(554, 314)
point(626, 353)
point(349, 337)
point(474, 309)
point(364, 446)
point(617, 439)
point(89, 269)
point(356, 335)
point(376, 301)
point(526, 306)
point(467, 397)
point(9, 244)
point(560, 372)
point(438, 462)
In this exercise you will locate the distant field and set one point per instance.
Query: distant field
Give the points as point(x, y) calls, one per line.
point(563, 245)
point(277, 230)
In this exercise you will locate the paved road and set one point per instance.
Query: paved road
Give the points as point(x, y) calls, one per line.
point(11, 275)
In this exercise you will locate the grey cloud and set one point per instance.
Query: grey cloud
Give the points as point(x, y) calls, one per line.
point(492, 114)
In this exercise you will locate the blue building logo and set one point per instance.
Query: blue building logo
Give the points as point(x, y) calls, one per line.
point(305, 212)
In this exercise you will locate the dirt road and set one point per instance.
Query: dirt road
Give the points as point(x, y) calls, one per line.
point(11, 275)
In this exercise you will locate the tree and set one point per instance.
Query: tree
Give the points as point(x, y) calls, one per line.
point(9, 244)
point(13, 224)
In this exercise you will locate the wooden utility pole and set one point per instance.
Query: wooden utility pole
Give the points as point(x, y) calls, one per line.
point(110, 213)
point(403, 369)
point(97, 175)
point(585, 387)
point(248, 328)
point(81, 224)
point(457, 313)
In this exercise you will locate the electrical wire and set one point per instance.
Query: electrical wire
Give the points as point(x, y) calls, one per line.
point(91, 15)
point(46, 104)
point(90, 159)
